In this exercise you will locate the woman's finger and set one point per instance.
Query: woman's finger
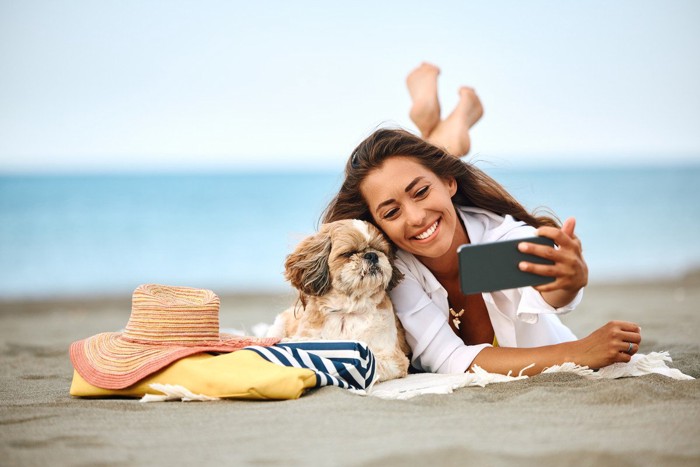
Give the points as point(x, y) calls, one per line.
point(629, 348)
point(543, 251)
point(627, 326)
point(623, 357)
point(569, 227)
point(632, 337)
point(549, 270)
point(559, 237)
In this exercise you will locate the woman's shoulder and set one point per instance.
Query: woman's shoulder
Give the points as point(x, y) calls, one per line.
point(483, 215)
point(487, 226)
point(407, 263)
point(415, 271)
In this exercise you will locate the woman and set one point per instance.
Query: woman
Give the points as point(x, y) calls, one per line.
point(428, 202)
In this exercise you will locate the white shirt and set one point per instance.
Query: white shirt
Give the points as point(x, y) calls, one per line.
point(520, 317)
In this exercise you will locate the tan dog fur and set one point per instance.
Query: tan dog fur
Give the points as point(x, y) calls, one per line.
point(343, 273)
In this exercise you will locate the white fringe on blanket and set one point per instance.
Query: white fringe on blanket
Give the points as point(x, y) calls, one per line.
point(433, 383)
point(174, 392)
point(640, 364)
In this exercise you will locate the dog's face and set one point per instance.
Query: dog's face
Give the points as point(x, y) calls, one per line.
point(349, 256)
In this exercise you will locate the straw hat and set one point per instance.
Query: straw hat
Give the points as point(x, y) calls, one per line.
point(166, 324)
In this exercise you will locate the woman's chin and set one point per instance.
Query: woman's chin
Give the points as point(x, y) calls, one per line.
point(432, 250)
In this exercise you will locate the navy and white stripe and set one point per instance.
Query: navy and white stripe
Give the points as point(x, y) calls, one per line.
point(346, 364)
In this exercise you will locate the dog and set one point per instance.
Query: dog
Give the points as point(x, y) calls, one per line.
point(343, 274)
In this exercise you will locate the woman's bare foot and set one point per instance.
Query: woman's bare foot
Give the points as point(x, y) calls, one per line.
point(452, 134)
point(422, 86)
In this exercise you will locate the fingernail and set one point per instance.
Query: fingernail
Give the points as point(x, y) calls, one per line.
point(522, 266)
point(522, 246)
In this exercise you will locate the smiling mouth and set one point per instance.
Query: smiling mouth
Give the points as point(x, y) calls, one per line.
point(428, 233)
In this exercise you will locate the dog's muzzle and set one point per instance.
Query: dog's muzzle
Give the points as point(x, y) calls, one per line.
point(372, 257)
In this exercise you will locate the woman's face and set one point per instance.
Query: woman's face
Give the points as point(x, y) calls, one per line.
point(413, 206)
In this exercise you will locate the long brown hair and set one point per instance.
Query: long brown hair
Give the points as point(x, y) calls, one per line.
point(474, 187)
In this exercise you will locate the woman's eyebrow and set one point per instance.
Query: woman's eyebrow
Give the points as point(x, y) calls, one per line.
point(384, 203)
point(408, 188)
point(413, 183)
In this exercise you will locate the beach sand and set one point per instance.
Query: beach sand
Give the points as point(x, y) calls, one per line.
point(556, 419)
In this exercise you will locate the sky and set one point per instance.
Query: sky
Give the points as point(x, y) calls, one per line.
point(102, 86)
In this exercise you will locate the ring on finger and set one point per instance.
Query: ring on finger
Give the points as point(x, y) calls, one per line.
point(629, 349)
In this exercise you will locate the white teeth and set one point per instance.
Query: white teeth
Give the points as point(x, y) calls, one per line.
point(428, 232)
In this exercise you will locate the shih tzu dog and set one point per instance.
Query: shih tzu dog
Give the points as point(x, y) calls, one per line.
point(343, 273)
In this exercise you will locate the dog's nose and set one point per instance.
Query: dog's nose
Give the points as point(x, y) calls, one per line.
point(372, 257)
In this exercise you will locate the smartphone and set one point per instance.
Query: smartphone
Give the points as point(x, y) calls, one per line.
point(486, 267)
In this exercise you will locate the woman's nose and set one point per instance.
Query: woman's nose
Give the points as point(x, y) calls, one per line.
point(415, 214)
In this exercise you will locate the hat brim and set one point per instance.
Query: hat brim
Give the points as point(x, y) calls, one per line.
point(108, 360)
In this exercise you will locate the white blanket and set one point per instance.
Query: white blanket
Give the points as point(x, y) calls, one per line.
point(432, 383)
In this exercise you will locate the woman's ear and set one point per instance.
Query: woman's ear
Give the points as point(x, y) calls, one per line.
point(452, 186)
point(307, 267)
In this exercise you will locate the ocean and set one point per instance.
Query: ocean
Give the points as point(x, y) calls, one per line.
point(95, 235)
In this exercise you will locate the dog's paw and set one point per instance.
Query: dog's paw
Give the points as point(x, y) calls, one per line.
point(295, 339)
point(300, 339)
point(391, 366)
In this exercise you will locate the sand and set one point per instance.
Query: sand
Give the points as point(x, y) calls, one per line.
point(555, 419)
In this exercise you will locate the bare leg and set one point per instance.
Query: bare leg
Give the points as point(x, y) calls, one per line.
point(452, 134)
point(422, 86)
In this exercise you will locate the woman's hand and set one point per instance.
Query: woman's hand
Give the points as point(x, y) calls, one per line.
point(615, 342)
point(569, 270)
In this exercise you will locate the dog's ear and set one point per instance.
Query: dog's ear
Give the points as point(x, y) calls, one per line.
point(307, 267)
point(396, 275)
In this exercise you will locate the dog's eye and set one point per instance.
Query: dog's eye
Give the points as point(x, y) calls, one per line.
point(348, 254)
point(380, 246)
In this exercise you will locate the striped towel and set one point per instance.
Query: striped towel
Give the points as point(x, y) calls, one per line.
point(346, 364)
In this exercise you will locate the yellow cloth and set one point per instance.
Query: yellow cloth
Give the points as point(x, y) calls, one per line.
point(495, 341)
point(239, 375)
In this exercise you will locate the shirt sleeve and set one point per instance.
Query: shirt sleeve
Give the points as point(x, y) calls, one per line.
point(436, 348)
point(531, 302)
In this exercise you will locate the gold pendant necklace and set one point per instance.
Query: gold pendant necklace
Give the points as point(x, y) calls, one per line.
point(456, 321)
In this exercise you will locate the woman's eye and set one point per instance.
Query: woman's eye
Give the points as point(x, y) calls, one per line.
point(390, 213)
point(422, 192)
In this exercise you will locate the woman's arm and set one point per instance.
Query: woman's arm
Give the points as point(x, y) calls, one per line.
point(603, 347)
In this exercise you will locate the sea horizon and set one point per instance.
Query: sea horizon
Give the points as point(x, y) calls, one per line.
point(73, 235)
point(336, 164)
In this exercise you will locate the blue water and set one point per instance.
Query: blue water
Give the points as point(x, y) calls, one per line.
point(105, 234)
